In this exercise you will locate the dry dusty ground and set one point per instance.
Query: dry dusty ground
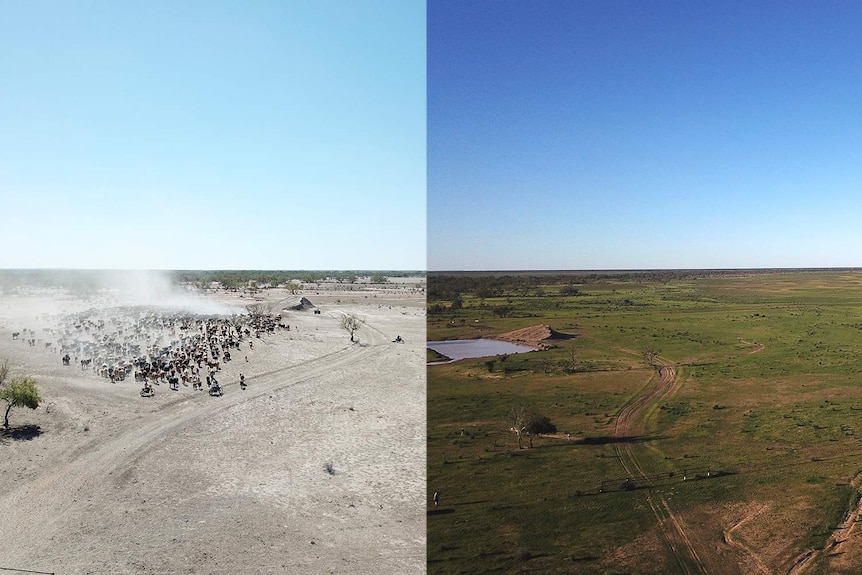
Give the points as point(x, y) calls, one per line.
point(99, 480)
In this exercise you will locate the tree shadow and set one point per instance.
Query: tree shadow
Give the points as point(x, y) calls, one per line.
point(21, 432)
point(611, 439)
point(599, 440)
point(478, 501)
point(527, 555)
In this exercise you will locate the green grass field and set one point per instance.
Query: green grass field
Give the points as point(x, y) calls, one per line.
point(767, 402)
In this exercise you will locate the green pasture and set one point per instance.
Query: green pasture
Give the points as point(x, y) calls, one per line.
point(768, 403)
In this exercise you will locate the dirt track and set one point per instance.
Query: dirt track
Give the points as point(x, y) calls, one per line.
point(186, 483)
point(750, 559)
point(629, 423)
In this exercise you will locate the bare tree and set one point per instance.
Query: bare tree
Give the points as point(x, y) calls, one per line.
point(650, 354)
point(572, 352)
point(351, 323)
point(518, 418)
point(525, 421)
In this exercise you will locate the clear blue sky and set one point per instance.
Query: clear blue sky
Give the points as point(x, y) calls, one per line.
point(213, 135)
point(629, 135)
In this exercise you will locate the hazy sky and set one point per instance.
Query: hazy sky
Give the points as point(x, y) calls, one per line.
point(613, 135)
point(213, 135)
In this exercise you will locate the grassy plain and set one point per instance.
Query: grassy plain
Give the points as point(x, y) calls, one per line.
point(755, 451)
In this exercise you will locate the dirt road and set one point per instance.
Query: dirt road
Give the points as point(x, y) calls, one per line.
point(630, 423)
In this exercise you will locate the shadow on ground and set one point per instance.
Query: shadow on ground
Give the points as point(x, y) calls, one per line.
point(20, 433)
point(607, 439)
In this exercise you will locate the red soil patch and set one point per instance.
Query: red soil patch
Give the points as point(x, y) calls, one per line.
point(534, 335)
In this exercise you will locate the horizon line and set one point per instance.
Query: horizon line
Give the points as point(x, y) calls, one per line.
point(646, 270)
point(345, 270)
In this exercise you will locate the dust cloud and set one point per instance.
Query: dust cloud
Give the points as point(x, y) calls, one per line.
point(40, 295)
point(156, 289)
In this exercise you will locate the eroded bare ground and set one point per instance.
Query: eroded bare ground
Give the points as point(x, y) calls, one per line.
point(842, 552)
point(318, 467)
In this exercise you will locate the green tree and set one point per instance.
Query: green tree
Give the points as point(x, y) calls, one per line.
point(540, 425)
point(311, 278)
point(502, 310)
point(17, 392)
point(294, 286)
point(379, 278)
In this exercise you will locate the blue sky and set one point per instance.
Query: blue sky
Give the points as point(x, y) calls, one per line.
point(633, 135)
point(213, 135)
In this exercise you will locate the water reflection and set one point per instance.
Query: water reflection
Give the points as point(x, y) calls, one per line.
point(456, 349)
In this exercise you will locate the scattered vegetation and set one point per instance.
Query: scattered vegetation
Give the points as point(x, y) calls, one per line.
point(765, 412)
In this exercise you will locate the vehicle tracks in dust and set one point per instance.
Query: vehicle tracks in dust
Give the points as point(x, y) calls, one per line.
point(34, 508)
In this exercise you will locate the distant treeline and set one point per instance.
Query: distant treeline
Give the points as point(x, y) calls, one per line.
point(234, 278)
point(448, 285)
point(77, 280)
point(91, 280)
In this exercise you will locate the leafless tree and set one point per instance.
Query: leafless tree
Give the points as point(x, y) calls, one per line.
point(518, 418)
point(573, 357)
point(650, 354)
point(351, 323)
point(526, 421)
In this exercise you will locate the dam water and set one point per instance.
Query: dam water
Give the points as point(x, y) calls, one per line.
point(457, 349)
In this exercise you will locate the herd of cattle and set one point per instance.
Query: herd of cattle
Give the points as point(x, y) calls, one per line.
point(152, 345)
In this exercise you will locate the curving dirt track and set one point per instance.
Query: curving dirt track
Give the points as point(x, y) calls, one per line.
point(750, 559)
point(318, 467)
point(630, 423)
